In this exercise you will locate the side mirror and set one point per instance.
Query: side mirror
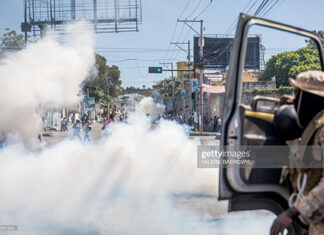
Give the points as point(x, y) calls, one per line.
point(256, 99)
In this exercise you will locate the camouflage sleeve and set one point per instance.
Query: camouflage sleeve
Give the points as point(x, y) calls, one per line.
point(311, 206)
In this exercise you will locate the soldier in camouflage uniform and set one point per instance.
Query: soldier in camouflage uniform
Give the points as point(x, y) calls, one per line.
point(308, 102)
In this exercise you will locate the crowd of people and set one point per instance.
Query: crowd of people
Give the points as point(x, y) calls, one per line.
point(211, 125)
point(83, 124)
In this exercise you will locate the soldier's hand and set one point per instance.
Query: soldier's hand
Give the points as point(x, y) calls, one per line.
point(286, 99)
point(283, 221)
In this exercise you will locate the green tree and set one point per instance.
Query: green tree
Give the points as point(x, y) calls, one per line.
point(288, 64)
point(11, 40)
point(129, 90)
point(106, 80)
point(164, 87)
point(320, 35)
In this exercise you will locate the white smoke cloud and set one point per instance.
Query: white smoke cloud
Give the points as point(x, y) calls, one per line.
point(133, 182)
point(148, 106)
point(45, 74)
point(127, 183)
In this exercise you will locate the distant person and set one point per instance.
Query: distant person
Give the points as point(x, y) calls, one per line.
point(108, 122)
point(77, 127)
point(211, 125)
point(205, 121)
point(85, 118)
point(64, 124)
point(86, 128)
point(215, 123)
point(190, 120)
point(219, 124)
point(73, 118)
point(180, 119)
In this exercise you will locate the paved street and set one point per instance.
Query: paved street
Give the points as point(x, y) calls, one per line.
point(55, 135)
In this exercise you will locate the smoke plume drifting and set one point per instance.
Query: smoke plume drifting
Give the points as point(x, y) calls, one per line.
point(45, 74)
point(147, 106)
point(127, 183)
point(124, 184)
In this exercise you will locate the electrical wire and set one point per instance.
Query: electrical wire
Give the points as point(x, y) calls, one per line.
point(272, 8)
point(184, 9)
point(183, 26)
point(194, 9)
point(229, 29)
point(265, 8)
point(188, 30)
point(211, 1)
point(261, 6)
point(139, 71)
point(135, 59)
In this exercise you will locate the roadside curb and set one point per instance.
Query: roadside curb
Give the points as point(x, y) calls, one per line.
point(216, 134)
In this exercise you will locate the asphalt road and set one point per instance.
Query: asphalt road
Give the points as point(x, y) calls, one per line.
point(55, 135)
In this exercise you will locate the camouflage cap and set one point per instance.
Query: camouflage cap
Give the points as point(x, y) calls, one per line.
point(310, 81)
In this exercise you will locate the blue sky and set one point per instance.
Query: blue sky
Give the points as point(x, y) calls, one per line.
point(159, 23)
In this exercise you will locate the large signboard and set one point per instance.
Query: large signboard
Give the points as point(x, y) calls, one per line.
point(105, 16)
point(217, 53)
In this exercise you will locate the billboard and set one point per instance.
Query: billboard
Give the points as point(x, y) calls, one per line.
point(183, 65)
point(105, 16)
point(217, 52)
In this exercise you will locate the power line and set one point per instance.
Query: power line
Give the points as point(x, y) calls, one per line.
point(182, 29)
point(211, 1)
point(230, 28)
point(261, 6)
point(184, 9)
point(140, 73)
point(139, 51)
point(275, 4)
point(265, 8)
point(194, 9)
point(135, 59)
point(190, 26)
point(174, 31)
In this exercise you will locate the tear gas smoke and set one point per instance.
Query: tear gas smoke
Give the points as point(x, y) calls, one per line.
point(127, 183)
point(45, 74)
point(154, 110)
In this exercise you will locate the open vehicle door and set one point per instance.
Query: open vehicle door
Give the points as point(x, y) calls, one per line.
point(252, 189)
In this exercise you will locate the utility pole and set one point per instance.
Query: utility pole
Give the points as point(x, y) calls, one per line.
point(25, 18)
point(182, 81)
point(189, 74)
point(183, 99)
point(173, 98)
point(108, 102)
point(201, 75)
point(201, 54)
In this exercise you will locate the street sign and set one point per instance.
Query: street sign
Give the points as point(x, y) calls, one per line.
point(169, 105)
point(155, 69)
point(195, 85)
point(183, 94)
point(91, 102)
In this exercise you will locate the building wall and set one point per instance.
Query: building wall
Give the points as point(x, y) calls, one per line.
point(250, 86)
point(214, 107)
